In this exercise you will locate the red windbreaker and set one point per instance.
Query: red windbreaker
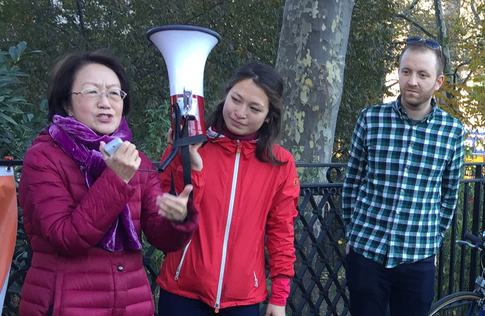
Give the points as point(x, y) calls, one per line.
point(240, 200)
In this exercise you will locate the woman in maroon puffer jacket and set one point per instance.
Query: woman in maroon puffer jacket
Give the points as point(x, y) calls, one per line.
point(83, 209)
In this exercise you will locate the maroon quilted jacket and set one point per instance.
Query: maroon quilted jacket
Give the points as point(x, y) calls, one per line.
point(64, 221)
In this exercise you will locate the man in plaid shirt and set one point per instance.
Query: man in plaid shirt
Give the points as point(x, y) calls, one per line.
point(401, 190)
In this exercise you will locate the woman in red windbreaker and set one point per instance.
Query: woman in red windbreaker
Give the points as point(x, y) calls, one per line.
point(84, 210)
point(246, 188)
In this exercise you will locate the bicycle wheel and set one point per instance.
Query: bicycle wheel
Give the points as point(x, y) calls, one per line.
point(458, 304)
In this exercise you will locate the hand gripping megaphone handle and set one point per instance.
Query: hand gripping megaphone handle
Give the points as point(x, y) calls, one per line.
point(184, 143)
point(181, 142)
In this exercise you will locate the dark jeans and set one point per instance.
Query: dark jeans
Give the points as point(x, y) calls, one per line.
point(407, 289)
point(173, 305)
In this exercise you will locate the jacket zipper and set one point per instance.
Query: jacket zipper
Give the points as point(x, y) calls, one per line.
point(256, 283)
point(228, 226)
point(181, 261)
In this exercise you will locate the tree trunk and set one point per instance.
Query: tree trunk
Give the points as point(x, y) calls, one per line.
point(443, 36)
point(311, 59)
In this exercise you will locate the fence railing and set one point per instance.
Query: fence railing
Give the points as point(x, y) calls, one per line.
point(319, 285)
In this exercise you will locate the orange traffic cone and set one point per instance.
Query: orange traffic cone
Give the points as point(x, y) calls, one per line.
point(8, 225)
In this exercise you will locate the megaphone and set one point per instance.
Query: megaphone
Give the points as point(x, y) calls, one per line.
point(185, 49)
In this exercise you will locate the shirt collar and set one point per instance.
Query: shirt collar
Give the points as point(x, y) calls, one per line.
point(397, 106)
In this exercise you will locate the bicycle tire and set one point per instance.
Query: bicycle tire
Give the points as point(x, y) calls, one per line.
point(458, 304)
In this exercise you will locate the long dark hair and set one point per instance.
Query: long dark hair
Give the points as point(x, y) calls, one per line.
point(64, 72)
point(268, 79)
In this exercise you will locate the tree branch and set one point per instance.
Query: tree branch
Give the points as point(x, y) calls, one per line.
point(470, 73)
point(415, 23)
point(81, 17)
point(392, 84)
point(474, 10)
point(205, 11)
point(410, 8)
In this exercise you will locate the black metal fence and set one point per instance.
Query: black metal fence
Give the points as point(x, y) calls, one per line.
point(319, 285)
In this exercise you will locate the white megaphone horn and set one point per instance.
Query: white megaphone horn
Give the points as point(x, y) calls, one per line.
point(185, 49)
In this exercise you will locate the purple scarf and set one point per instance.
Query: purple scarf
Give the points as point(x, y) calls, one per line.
point(82, 144)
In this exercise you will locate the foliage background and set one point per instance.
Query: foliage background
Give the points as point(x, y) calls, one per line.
point(250, 30)
point(57, 27)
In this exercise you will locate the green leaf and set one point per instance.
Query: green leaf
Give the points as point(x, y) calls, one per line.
point(17, 99)
point(14, 53)
point(43, 105)
point(21, 47)
point(6, 118)
point(11, 110)
point(8, 80)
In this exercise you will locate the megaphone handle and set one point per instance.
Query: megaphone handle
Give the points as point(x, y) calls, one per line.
point(168, 160)
point(177, 119)
point(173, 152)
point(183, 144)
point(186, 164)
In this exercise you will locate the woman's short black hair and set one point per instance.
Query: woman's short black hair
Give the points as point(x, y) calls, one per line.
point(268, 79)
point(64, 71)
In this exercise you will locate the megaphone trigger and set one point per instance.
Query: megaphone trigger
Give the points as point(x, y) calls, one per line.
point(187, 101)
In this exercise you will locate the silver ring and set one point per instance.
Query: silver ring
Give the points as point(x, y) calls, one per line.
point(172, 212)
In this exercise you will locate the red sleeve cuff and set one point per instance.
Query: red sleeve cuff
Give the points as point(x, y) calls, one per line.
point(280, 290)
point(191, 222)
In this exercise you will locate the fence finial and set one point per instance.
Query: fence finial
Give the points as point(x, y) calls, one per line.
point(9, 163)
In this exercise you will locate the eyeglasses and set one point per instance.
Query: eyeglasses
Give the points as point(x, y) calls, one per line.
point(113, 95)
point(429, 42)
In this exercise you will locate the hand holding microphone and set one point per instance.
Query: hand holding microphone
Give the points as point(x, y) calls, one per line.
point(121, 157)
point(113, 146)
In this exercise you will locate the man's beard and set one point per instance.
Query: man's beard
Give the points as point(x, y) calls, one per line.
point(420, 99)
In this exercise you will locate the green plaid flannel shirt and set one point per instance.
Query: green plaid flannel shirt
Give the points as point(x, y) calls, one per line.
point(401, 187)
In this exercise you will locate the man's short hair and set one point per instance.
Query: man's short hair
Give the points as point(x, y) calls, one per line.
point(417, 44)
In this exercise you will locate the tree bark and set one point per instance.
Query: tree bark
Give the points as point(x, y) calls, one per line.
point(443, 36)
point(311, 59)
